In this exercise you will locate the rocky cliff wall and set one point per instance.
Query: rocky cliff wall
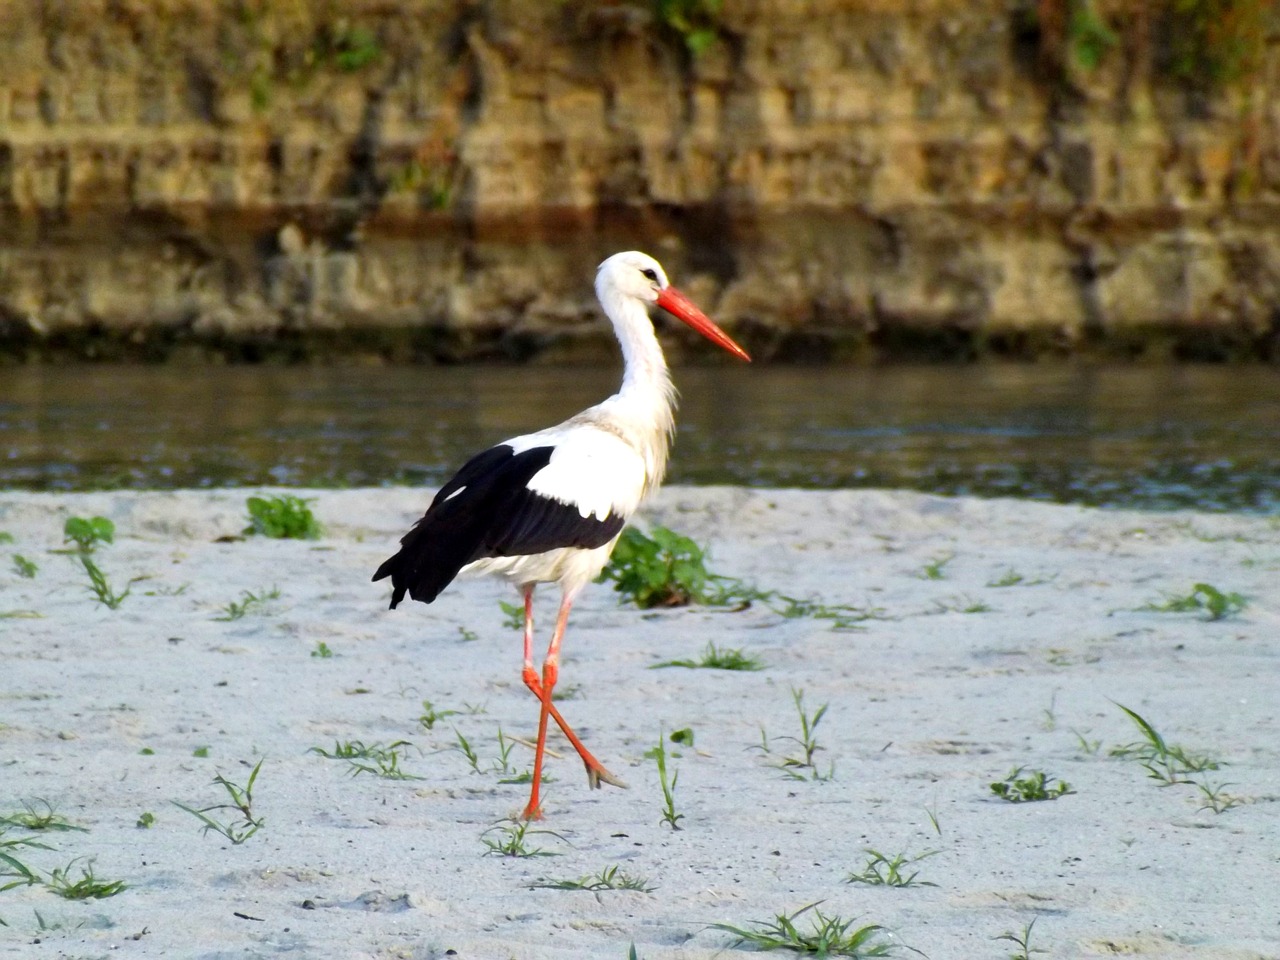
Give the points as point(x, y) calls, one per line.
point(438, 178)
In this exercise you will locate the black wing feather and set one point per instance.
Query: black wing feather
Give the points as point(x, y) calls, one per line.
point(488, 510)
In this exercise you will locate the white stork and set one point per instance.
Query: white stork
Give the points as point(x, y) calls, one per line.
point(547, 507)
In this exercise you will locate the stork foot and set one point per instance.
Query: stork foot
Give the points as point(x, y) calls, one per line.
point(597, 775)
point(532, 812)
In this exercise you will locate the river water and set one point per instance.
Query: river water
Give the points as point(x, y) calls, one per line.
point(1149, 437)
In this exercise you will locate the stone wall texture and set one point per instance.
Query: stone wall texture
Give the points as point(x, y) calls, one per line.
point(830, 179)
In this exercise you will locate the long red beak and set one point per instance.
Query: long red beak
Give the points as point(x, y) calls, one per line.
point(682, 308)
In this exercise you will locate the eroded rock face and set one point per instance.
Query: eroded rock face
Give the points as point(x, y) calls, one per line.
point(834, 178)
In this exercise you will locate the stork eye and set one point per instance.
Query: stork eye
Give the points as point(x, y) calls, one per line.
point(650, 274)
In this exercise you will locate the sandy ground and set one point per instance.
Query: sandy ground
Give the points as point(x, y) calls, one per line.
point(102, 713)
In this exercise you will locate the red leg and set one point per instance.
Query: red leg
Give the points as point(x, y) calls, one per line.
point(543, 691)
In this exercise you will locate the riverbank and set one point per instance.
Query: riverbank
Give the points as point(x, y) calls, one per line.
point(951, 640)
point(833, 180)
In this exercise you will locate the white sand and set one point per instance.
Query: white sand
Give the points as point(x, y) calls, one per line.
point(926, 708)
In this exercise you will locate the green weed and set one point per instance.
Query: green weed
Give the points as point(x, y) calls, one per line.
point(882, 871)
point(101, 588)
point(714, 658)
point(512, 615)
point(321, 651)
point(24, 567)
point(286, 517)
point(236, 830)
point(610, 878)
point(87, 533)
point(87, 887)
point(935, 569)
point(32, 819)
point(371, 758)
point(1165, 762)
point(430, 716)
point(1215, 797)
point(249, 603)
point(665, 569)
point(1203, 597)
point(146, 820)
point(659, 755)
point(1033, 787)
point(808, 743)
point(827, 937)
point(6, 537)
point(512, 840)
point(1022, 941)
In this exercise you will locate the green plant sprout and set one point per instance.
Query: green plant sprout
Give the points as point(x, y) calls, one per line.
point(512, 615)
point(430, 716)
point(1165, 762)
point(88, 887)
point(1203, 596)
point(32, 819)
point(659, 755)
point(1022, 941)
point(251, 603)
point(512, 840)
point(237, 831)
point(1033, 787)
point(807, 741)
point(665, 569)
point(321, 651)
point(610, 878)
point(935, 569)
point(101, 588)
point(827, 937)
point(882, 871)
point(24, 568)
point(87, 533)
point(286, 517)
point(715, 658)
point(371, 758)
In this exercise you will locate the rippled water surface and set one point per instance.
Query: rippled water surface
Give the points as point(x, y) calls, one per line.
point(1207, 437)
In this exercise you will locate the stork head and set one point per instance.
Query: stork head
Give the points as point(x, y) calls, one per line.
point(636, 275)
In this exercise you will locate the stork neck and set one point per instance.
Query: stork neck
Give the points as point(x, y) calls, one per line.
point(645, 375)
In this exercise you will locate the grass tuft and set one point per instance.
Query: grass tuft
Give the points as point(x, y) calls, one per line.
point(882, 871)
point(1205, 597)
point(236, 830)
point(827, 937)
point(610, 878)
point(1165, 762)
point(512, 840)
point(716, 658)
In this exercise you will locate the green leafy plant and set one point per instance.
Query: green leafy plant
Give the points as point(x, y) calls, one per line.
point(146, 820)
point(1034, 786)
point(665, 569)
point(286, 517)
point(249, 603)
point(715, 658)
point(87, 887)
point(381, 761)
point(512, 615)
point(30, 818)
point(1203, 597)
point(237, 830)
point(659, 755)
point(1215, 797)
point(101, 588)
point(827, 936)
point(24, 567)
point(882, 871)
point(1022, 941)
point(321, 651)
point(935, 569)
point(512, 840)
point(610, 878)
point(1163, 761)
point(808, 743)
point(87, 533)
point(430, 716)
